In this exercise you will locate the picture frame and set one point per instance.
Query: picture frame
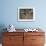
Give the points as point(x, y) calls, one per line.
point(26, 14)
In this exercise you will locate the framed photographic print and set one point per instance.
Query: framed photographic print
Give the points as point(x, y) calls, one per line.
point(26, 14)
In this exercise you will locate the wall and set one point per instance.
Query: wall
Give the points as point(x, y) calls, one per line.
point(9, 13)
